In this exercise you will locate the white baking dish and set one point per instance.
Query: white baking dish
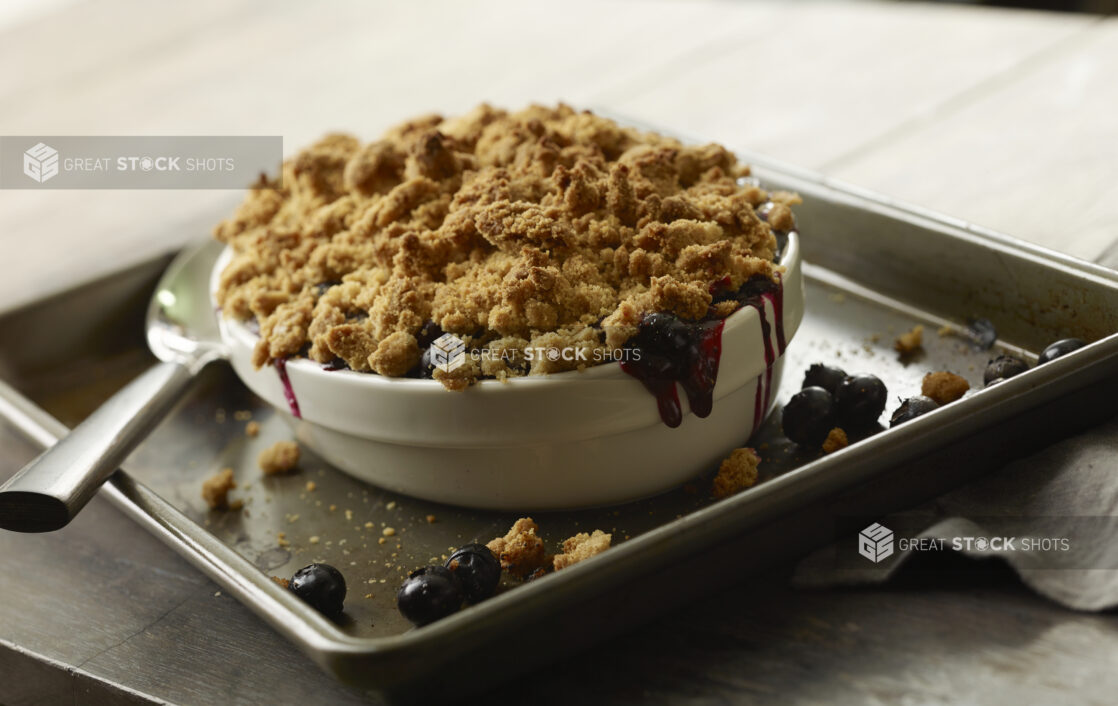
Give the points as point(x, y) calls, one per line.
point(567, 440)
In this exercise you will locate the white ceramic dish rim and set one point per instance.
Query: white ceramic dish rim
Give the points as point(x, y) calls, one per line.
point(790, 258)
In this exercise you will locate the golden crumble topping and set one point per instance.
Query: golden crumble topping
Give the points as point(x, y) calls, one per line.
point(521, 551)
point(910, 341)
point(836, 440)
point(280, 457)
point(737, 472)
point(542, 228)
point(215, 490)
point(581, 546)
point(944, 387)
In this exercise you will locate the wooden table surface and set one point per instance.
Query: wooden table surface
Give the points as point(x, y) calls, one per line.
point(1004, 118)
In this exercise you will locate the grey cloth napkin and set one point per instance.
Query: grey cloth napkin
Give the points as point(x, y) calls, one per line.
point(1059, 508)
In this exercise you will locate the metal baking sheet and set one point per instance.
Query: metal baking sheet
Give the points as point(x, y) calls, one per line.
point(875, 270)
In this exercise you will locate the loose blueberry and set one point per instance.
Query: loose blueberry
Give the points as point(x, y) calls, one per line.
point(478, 571)
point(1060, 348)
point(859, 401)
point(809, 416)
point(982, 332)
point(428, 594)
point(912, 408)
point(1003, 367)
point(322, 586)
point(825, 376)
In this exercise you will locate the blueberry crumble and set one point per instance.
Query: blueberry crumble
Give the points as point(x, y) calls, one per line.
point(545, 228)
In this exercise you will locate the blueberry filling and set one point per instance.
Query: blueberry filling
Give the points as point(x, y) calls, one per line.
point(477, 570)
point(825, 376)
point(280, 365)
point(1059, 349)
point(912, 408)
point(982, 332)
point(667, 350)
point(809, 416)
point(322, 586)
point(428, 594)
point(859, 401)
point(1002, 368)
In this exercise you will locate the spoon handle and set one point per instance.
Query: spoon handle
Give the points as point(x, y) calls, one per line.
point(48, 492)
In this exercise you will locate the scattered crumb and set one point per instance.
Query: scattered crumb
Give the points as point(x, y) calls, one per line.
point(945, 330)
point(836, 439)
point(282, 582)
point(369, 525)
point(431, 519)
point(280, 457)
point(215, 489)
point(252, 429)
point(311, 486)
point(581, 546)
point(737, 472)
point(521, 551)
point(390, 506)
point(349, 514)
point(242, 415)
point(314, 539)
point(388, 531)
point(368, 595)
point(944, 387)
point(217, 594)
point(910, 342)
point(382, 540)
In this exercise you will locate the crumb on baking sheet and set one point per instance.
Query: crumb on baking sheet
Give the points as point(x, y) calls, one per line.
point(521, 551)
point(215, 489)
point(282, 582)
point(737, 472)
point(580, 547)
point(311, 486)
point(252, 429)
point(910, 341)
point(836, 439)
point(944, 387)
point(280, 457)
point(431, 519)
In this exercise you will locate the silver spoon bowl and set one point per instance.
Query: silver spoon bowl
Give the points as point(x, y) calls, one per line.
point(182, 332)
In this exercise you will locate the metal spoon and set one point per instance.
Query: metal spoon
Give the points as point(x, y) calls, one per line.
point(182, 332)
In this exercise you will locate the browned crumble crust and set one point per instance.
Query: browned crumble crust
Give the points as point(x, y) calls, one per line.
point(836, 439)
point(944, 387)
point(737, 472)
point(521, 551)
point(280, 457)
point(215, 490)
point(581, 546)
point(524, 229)
point(910, 342)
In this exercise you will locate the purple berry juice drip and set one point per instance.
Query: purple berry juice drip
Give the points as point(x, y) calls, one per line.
point(674, 351)
point(671, 351)
point(288, 391)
